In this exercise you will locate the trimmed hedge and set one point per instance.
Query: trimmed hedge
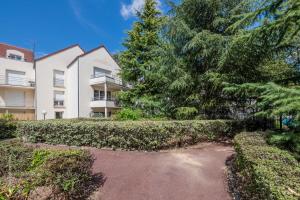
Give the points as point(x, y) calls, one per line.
point(133, 135)
point(26, 169)
point(269, 172)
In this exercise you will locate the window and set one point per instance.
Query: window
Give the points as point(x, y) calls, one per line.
point(98, 114)
point(58, 78)
point(98, 72)
point(15, 77)
point(15, 98)
point(59, 98)
point(15, 57)
point(98, 95)
point(59, 115)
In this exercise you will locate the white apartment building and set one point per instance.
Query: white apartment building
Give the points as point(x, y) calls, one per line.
point(69, 83)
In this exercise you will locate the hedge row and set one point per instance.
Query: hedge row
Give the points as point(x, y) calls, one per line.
point(133, 135)
point(269, 172)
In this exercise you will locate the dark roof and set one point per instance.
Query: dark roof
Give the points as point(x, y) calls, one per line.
point(59, 51)
point(28, 54)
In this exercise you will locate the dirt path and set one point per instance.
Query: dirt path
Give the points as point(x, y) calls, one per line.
point(196, 173)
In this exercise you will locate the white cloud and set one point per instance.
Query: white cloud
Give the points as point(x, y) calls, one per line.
point(130, 10)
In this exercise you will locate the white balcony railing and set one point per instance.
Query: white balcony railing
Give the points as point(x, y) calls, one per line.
point(102, 78)
point(16, 81)
point(99, 102)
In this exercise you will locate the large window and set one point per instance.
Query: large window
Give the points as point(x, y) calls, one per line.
point(58, 78)
point(59, 98)
point(15, 98)
point(100, 95)
point(98, 72)
point(15, 77)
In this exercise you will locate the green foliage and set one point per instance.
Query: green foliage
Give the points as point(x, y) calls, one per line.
point(66, 172)
point(7, 116)
point(139, 135)
point(268, 172)
point(138, 61)
point(7, 128)
point(289, 141)
point(270, 99)
point(128, 114)
point(186, 113)
point(15, 153)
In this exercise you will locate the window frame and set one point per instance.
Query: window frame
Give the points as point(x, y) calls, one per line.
point(57, 83)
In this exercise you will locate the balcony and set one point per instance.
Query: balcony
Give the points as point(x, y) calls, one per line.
point(100, 102)
point(16, 82)
point(101, 79)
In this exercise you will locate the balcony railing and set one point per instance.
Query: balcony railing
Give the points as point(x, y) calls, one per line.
point(108, 78)
point(59, 103)
point(16, 81)
point(102, 98)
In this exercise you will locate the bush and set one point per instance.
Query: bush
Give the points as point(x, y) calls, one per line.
point(139, 135)
point(7, 129)
point(24, 169)
point(185, 113)
point(16, 154)
point(129, 114)
point(269, 172)
point(289, 141)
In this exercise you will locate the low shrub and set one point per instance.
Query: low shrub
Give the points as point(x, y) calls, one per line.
point(15, 157)
point(268, 172)
point(7, 128)
point(133, 135)
point(186, 113)
point(24, 169)
point(128, 114)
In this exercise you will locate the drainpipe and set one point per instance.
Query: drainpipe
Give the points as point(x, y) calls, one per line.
point(105, 97)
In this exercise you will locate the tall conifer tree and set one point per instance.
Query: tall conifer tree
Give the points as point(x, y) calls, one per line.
point(137, 61)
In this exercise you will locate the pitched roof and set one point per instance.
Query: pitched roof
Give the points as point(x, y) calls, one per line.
point(28, 54)
point(90, 51)
point(59, 51)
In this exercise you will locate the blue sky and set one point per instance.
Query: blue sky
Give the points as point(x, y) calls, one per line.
point(55, 24)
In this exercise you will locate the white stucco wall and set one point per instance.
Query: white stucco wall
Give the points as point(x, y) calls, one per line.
point(9, 64)
point(6, 99)
point(99, 58)
point(44, 81)
point(72, 91)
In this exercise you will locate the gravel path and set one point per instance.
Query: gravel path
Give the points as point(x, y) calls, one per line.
point(196, 173)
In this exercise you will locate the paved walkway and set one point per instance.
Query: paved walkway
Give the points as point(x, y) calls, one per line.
point(197, 173)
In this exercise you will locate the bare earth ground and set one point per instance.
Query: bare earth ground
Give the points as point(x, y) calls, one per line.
point(196, 173)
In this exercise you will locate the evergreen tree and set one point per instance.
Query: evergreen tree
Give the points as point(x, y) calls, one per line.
point(138, 60)
point(196, 38)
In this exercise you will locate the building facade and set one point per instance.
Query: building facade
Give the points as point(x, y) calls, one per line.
point(69, 83)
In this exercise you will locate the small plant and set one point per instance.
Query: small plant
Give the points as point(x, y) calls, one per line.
point(7, 116)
